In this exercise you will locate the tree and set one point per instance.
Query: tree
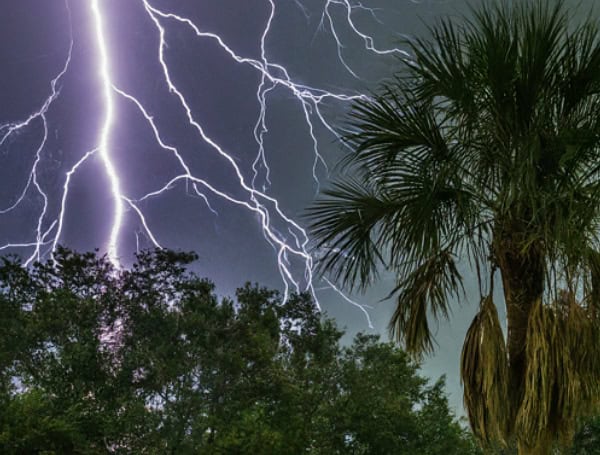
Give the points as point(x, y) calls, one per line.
point(485, 149)
point(587, 438)
point(148, 360)
point(388, 408)
point(30, 424)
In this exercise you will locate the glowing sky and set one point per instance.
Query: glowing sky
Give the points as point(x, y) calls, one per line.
point(227, 108)
point(194, 125)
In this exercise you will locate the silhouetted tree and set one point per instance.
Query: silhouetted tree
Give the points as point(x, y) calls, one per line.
point(149, 360)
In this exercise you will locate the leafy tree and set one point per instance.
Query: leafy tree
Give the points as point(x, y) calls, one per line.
point(587, 438)
point(30, 424)
point(485, 149)
point(12, 325)
point(148, 360)
point(405, 415)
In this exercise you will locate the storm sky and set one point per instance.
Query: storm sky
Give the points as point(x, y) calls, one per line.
point(303, 43)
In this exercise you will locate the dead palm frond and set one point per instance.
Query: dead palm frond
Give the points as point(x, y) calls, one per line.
point(484, 373)
point(561, 382)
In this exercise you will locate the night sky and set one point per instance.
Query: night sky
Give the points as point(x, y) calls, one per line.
point(35, 38)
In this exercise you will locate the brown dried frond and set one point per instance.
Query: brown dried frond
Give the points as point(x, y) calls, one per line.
point(563, 364)
point(484, 373)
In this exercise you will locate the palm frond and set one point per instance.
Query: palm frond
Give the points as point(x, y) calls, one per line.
point(360, 226)
point(443, 67)
point(561, 382)
point(347, 225)
point(484, 373)
point(393, 127)
point(426, 291)
point(579, 68)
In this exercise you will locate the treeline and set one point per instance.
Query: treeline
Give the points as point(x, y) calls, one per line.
point(150, 361)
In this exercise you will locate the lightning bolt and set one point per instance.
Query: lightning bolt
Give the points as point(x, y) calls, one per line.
point(10, 129)
point(286, 236)
point(104, 73)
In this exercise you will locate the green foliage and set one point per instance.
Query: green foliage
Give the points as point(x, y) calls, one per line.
point(30, 423)
point(587, 439)
point(405, 415)
point(149, 361)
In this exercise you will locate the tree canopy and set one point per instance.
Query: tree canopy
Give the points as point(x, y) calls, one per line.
point(149, 360)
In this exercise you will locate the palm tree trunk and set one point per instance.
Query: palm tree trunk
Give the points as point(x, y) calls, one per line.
point(523, 450)
point(523, 282)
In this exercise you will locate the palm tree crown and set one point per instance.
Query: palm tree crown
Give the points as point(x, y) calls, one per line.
point(486, 148)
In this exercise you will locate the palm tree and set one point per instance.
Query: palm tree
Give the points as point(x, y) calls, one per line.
point(485, 149)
